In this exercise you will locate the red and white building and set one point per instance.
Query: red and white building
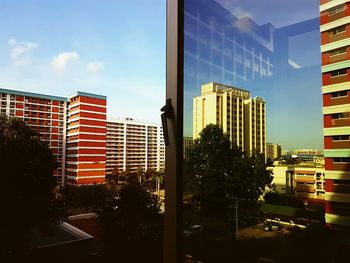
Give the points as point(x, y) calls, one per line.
point(335, 48)
point(44, 114)
point(86, 139)
point(74, 128)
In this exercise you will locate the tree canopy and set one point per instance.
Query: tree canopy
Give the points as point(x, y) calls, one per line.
point(131, 219)
point(217, 172)
point(28, 197)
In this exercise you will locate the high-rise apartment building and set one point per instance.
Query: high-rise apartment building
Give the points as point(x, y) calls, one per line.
point(187, 142)
point(74, 129)
point(133, 145)
point(44, 114)
point(335, 48)
point(86, 139)
point(254, 125)
point(273, 151)
point(242, 118)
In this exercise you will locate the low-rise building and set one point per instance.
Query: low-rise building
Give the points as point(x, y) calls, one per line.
point(302, 181)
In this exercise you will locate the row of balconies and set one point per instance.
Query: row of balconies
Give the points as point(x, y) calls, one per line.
point(337, 142)
point(337, 163)
point(336, 120)
point(336, 98)
point(334, 13)
point(335, 34)
point(336, 55)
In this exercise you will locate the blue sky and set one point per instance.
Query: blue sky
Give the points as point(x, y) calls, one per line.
point(117, 48)
point(114, 48)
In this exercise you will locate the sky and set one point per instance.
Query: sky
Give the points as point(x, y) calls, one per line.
point(293, 90)
point(117, 48)
point(113, 48)
point(294, 99)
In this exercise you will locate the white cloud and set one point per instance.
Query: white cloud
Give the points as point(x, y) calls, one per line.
point(240, 13)
point(95, 66)
point(243, 24)
point(20, 51)
point(63, 59)
point(12, 41)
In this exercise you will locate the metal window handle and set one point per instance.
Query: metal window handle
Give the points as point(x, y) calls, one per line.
point(167, 114)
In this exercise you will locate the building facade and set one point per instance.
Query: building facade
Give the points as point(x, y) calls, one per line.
point(187, 143)
point(74, 129)
point(335, 48)
point(86, 139)
point(306, 182)
point(134, 145)
point(273, 151)
point(242, 118)
point(44, 114)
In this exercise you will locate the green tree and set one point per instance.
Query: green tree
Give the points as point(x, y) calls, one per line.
point(217, 172)
point(28, 197)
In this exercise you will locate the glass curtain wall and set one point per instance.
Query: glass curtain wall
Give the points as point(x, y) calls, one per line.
point(252, 79)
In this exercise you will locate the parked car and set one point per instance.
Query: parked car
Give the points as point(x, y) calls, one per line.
point(193, 231)
point(271, 226)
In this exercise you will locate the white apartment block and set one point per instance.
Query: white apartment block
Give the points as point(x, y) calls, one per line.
point(242, 118)
point(133, 145)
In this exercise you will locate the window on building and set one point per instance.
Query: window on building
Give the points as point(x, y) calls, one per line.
point(339, 72)
point(337, 30)
point(343, 115)
point(336, 10)
point(338, 51)
point(343, 93)
point(341, 159)
point(341, 138)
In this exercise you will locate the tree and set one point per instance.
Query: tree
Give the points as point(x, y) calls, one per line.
point(219, 172)
point(132, 220)
point(86, 198)
point(28, 197)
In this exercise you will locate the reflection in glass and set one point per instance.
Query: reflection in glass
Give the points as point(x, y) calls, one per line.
point(253, 69)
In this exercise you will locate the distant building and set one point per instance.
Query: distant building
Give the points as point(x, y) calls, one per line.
point(187, 142)
point(133, 145)
point(307, 183)
point(242, 118)
point(77, 123)
point(308, 152)
point(273, 151)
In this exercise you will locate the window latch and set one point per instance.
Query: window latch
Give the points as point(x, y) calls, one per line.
point(167, 110)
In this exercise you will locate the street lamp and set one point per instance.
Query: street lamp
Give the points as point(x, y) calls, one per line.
point(236, 217)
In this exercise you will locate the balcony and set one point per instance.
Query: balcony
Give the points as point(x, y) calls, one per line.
point(304, 180)
point(337, 58)
point(345, 189)
point(341, 166)
point(339, 100)
point(336, 16)
point(340, 122)
point(338, 79)
point(305, 188)
point(336, 37)
point(340, 144)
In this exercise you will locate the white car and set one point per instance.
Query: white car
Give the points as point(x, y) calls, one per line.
point(193, 231)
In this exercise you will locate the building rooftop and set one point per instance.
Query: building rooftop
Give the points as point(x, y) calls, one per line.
point(131, 121)
point(31, 94)
point(92, 95)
